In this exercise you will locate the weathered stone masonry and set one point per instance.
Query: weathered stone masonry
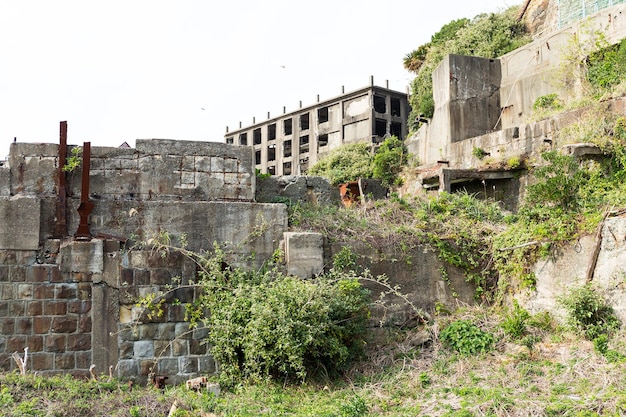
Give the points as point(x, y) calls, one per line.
point(72, 303)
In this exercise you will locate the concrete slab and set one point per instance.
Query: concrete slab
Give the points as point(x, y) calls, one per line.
point(21, 223)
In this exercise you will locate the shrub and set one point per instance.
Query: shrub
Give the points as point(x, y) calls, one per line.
point(266, 325)
point(345, 163)
point(466, 338)
point(388, 161)
point(549, 101)
point(587, 311)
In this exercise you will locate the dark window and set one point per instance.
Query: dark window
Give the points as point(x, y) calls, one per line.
point(322, 140)
point(287, 148)
point(304, 144)
point(243, 139)
point(395, 106)
point(322, 115)
point(257, 157)
point(395, 129)
point(287, 168)
point(287, 127)
point(304, 121)
point(256, 136)
point(379, 104)
point(271, 131)
point(380, 127)
point(230, 140)
point(271, 153)
point(271, 170)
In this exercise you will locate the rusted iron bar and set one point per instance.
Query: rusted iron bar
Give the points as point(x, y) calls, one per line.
point(60, 229)
point(86, 206)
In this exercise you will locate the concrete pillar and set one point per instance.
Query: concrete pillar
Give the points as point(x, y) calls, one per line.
point(105, 315)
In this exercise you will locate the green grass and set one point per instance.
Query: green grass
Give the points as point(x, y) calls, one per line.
point(563, 375)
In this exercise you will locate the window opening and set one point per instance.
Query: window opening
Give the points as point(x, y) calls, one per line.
point(304, 121)
point(379, 104)
point(322, 115)
point(380, 127)
point(243, 139)
point(287, 168)
point(395, 107)
point(256, 136)
point(271, 131)
point(271, 153)
point(288, 126)
point(287, 148)
point(395, 129)
point(257, 157)
point(304, 144)
point(271, 170)
point(230, 140)
point(322, 140)
point(304, 165)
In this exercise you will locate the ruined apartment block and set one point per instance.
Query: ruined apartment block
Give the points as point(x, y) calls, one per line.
point(293, 142)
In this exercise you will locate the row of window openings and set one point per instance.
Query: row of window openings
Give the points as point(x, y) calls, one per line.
point(380, 105)
point(304, 166)
point(322, 140)
point(380, 130)
point(322, 117)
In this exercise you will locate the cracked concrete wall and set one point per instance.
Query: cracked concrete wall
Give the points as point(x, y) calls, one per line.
point(566, 268)
point(297, 189)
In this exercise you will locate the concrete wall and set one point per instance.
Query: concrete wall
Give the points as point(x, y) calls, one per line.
point(466, 90)
point(467, 103)
point(72, 303)
point(532, 70)
point(296, 189)
point(567, 269)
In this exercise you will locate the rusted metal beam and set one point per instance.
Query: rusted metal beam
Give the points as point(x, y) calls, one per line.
point(86, 206)
point(60, 229)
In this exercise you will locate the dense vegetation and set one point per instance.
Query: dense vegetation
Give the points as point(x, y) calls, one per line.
point(359, 160)
point(486, 35)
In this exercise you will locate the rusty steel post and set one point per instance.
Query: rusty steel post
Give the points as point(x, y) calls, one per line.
point(60, 229)
point(86, 206)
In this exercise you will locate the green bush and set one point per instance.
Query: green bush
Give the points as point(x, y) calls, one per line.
point(607, 67)
point(466, 338)
point(587, 311)
point(390, 157)
point(345, 163)
point(549, 101)
point(266, 325)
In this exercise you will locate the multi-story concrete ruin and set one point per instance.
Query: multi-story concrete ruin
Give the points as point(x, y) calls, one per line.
point(289, 144)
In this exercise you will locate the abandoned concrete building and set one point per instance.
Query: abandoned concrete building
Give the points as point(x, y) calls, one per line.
point(291, 143)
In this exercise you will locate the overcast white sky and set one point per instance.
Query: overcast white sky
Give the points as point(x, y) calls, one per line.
point(118, 70)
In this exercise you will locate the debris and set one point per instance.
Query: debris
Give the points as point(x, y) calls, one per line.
point(21, 363)
point(92, 371)
point(158, 381)
point(173, 409)
point(196, 383)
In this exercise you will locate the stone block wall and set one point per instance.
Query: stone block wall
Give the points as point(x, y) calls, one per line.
point(73, 303)
point(43, 310)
